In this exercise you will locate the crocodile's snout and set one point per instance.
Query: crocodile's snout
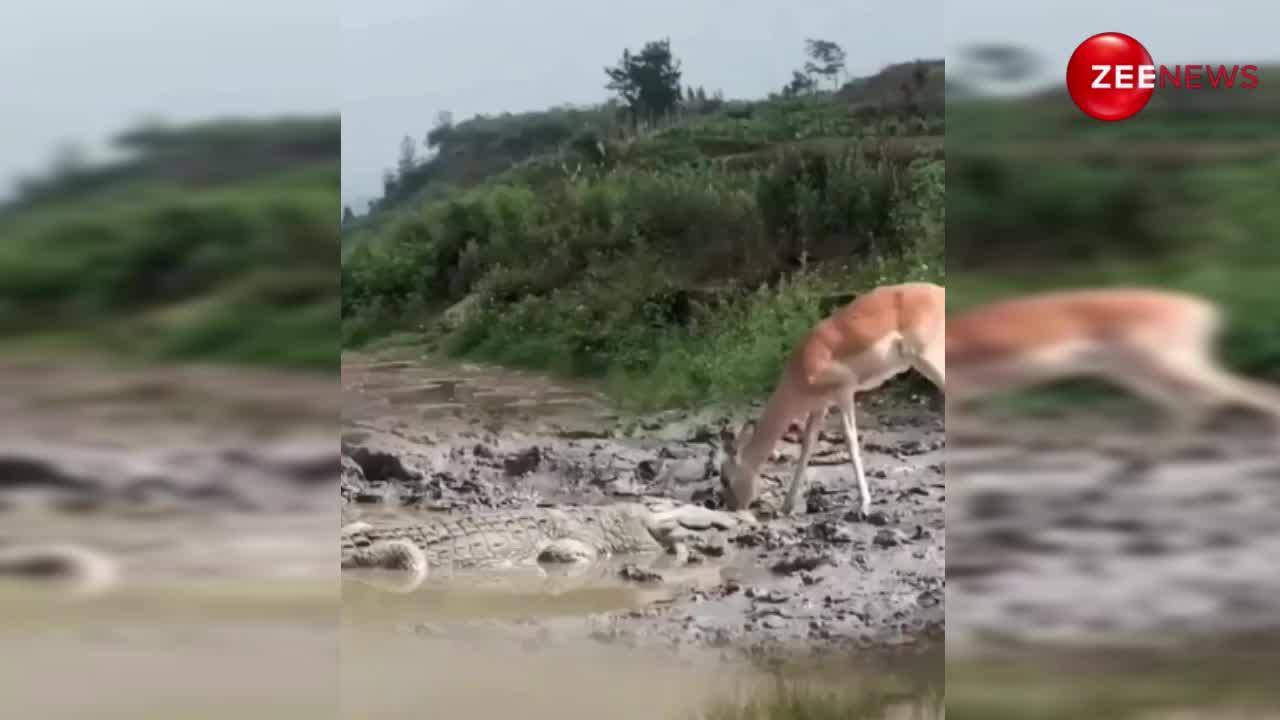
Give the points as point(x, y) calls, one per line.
point(404, 561)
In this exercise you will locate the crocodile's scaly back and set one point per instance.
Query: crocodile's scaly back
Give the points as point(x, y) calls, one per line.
point(504, 538)
point(507, 537)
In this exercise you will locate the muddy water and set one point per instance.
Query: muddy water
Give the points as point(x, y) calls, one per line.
point(421, 437)
point(209, 494)
point(404, 676)
point(1080, 586)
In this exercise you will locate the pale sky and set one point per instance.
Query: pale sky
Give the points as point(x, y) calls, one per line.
point(1173, 32)
point(406, 60)
point(83, 70)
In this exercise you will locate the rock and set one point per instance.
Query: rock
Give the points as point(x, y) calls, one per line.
point(807, 562)
point(523, 463)
point(634, 573)
point(887, 538)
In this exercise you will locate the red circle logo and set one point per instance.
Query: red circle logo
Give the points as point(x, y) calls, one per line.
point(1111, 76)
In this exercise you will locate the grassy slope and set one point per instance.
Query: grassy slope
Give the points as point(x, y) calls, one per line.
point(212, 243)
point(682, 263)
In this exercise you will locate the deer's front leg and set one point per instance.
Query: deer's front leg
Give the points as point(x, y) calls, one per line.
point(855, 456)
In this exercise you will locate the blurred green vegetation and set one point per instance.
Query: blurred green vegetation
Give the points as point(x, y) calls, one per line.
point(1181, 196)
point(1115, 687)
point(679, 261)
point(212, 242)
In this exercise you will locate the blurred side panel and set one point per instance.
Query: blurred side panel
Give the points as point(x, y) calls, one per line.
point(169, 210)
point(1102, 562)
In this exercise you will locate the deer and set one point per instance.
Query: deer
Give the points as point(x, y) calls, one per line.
point(881, 334)
point(1156, 344)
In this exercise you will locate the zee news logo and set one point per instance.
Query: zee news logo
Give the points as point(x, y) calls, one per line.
point(1111, 76)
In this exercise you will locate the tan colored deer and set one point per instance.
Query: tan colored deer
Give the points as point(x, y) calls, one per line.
point(881, 334)
point(1156, 344)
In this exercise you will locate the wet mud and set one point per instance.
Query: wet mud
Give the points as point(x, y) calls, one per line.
point(422, 439)
point(166, 539)
point(167, 475)
point(1075, 547)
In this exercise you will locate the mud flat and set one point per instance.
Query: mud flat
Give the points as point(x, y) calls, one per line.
point(429, 440)
point(1067, 549)
point(207, 496)
point(175, 473)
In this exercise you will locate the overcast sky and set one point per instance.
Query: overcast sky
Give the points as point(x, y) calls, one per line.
point(82, 70)
point(406, 60)
point(1173, 32)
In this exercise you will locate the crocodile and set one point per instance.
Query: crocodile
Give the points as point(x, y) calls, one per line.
point(399, 557)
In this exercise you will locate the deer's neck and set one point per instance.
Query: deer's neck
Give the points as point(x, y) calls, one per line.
point(778, 413)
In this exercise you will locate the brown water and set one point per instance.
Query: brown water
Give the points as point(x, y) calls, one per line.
point(212, 650)
point(399, 676)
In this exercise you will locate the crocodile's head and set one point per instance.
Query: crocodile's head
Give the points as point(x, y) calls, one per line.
point(735, 478)
point(396, 566)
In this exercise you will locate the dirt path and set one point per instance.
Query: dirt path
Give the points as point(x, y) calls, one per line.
point(455, 439)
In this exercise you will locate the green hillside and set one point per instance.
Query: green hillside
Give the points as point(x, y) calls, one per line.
point(678, 257)
point(213, 242)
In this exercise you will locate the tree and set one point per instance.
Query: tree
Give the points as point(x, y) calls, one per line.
point(826, 59)
point(388, 183)
point(648, 82)
point(800, 84)
point(443, 130)
point(348, 215)
point(408, 157)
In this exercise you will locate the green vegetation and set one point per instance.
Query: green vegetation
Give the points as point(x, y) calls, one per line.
point(675, 250)
point(210, 243)
point(1117, 687)
point(1182, 196)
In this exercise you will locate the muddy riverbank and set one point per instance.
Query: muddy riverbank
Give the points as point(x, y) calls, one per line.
point(460, 440)
point(208, 496)
point(174, 473)
point(1071, 548)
